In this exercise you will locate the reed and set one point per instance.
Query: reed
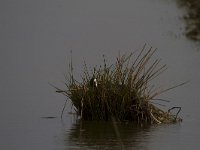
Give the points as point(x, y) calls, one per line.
point(121, 91)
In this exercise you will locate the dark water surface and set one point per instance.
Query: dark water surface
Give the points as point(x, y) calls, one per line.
point(35, 42)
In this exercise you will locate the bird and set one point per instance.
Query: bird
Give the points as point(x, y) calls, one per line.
point(93, 82)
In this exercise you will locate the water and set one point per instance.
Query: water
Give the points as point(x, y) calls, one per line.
point(35, 42)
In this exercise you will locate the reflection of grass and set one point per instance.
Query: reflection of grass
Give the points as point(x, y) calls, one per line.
point(193, 18)
point(101, 135)
point(120, 91)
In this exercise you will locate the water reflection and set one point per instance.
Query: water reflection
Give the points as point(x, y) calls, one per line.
point(102, 135)
point(35, 38)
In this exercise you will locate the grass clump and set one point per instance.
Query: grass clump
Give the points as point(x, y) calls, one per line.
point(121, 91)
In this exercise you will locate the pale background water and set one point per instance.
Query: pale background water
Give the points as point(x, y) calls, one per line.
point(35, 42)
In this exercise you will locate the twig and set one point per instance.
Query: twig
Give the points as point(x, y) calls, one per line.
point(159, 122)
point(158, 104)
point(63, 108)
point(81, 108)
point(160, 99)
point(177, 111)
point(173, 87)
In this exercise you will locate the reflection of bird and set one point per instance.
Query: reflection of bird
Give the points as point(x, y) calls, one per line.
point(93, 82)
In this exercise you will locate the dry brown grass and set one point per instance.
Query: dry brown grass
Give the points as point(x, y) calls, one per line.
point(123, 90)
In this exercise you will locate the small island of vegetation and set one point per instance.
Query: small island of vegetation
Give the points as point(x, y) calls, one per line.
point(121, 91)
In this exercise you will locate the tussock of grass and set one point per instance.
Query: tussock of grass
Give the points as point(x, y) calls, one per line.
point(122, 92)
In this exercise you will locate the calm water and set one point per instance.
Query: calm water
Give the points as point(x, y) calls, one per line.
point(35, 42)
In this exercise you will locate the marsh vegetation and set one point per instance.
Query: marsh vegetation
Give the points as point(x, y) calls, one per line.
point(192, 18)
point(122, 91)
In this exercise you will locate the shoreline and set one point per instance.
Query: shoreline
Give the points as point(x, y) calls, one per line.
point(192, 18)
